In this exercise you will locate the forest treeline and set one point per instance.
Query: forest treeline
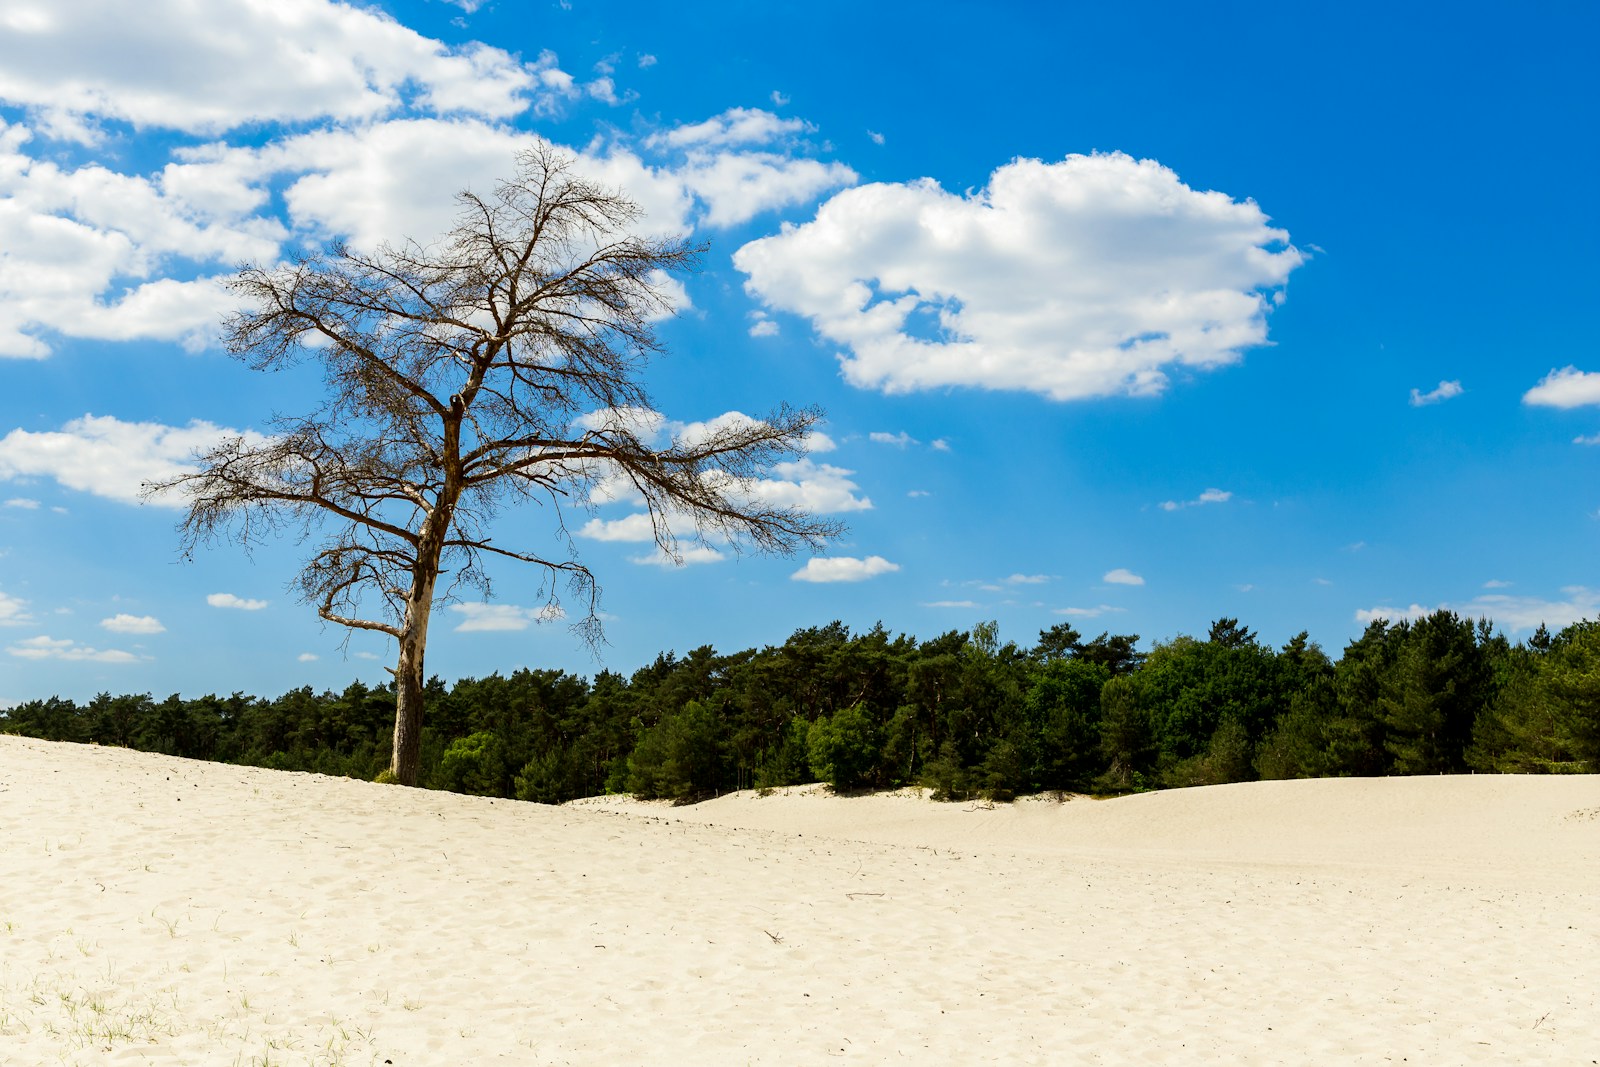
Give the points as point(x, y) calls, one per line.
point(963, 714)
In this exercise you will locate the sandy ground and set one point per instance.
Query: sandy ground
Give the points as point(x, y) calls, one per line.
point(161, 911)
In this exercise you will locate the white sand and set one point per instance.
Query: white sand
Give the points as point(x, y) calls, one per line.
point(162, 911)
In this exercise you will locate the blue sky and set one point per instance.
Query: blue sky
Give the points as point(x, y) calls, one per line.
point(1130, 317)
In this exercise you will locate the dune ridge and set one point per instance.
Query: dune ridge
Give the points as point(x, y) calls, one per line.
point(163, 911)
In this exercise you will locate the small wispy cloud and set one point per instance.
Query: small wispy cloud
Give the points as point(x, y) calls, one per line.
point(843, 569)
point(25, 503)
point(685, 556)
point(133, 624)
point(1515, 613)
point(1087, 613)
point(307, 657)
point(898, 440)
point(1122, 576)
point(1411, 614)
point(496, 618)
point(13, 611)
point(42, 647)
point(236, 603)
point(1210, 496)
point(1444, 391)
point(950, 604)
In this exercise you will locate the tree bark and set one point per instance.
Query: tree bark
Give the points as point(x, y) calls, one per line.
point(406, 762)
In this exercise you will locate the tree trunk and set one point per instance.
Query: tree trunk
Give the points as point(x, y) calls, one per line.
point(406, 762)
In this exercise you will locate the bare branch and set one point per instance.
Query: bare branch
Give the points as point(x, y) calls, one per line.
point(457, 375)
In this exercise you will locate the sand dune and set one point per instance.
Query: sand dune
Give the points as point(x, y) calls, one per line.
point(162, 911)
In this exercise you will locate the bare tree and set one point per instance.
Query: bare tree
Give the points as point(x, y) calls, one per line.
point(501, 366)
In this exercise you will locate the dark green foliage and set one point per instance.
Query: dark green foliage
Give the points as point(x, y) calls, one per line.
point(1546, 713)
point(843, 748)
point(474, 764)
point(679, 758)
point(1128, 745)
point(1438, 680)
point(966, 714)
point(1063, 709)
point(1301, 743)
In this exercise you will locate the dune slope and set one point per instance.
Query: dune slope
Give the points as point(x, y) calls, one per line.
point(161, 911)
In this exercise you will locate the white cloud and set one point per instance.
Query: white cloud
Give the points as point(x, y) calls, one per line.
point(1210, 496)
point(1086, 613)
point(13, 611)
point(738, 186)
point(818, 488)
point(875, 136)
point(207, 68)
point(1568, 387)
point(394, 179)
point(635, 527)
point(843, 569)
point(950, 604)
point(736, 126)
point(96, 254)
point(42, 647)
point(237, 603)
point(1122, 576)
point(1415, 611)
point(778, 99)
point(1028, 579)
point(489, 618)
point(898, 440)
point(1520, 613)
point(764, 328)
point(23, 503)
point(605, 91)
point(107, 457)
point(133, 624)
point(646, 61)
point(940, 445)
point(644, 423)
point(1445, 391)
point(1082, 278)
point(1514, 613)
point(686, 555)
point(1496, 583)
point(818, 442)
point(1591, 439)
point(719, 164)
point(86, 250)
point(307, 657)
